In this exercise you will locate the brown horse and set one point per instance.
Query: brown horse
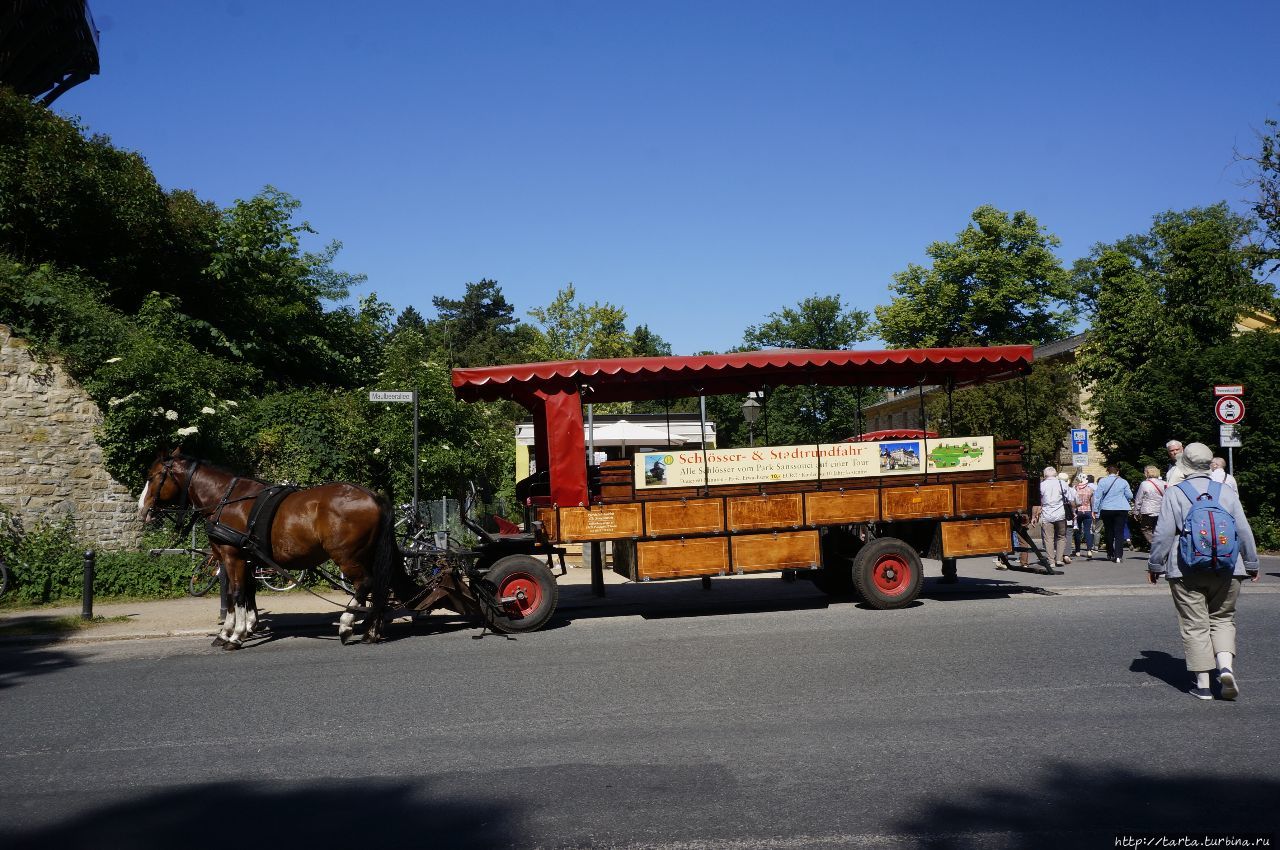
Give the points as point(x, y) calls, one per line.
point(343, 522)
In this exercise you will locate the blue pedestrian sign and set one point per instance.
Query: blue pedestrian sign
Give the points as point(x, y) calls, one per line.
point(1079, 441)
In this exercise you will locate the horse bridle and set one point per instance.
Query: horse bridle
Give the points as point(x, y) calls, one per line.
point(182, 511)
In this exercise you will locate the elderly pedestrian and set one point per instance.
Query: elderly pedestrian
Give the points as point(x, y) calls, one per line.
point(1056, 499)
point(1146, 502)
point(1204, 598)
point(1111, 504)
point(1173, 475)
point(1218, 472)
point(1083, 535)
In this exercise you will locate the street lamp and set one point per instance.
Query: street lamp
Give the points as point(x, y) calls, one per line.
point(750, 413)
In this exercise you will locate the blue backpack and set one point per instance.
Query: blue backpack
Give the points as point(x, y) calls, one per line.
point(1207, 540)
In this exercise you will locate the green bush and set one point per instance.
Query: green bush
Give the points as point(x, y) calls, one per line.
point(46, 564)
point(1266, 532)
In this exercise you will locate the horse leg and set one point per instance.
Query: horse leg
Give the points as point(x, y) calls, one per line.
point(346, 625)
point(375, 621)
point(236, 629)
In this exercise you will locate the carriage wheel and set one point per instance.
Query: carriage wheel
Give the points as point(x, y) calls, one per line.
point(888, 573)
point(525, 594)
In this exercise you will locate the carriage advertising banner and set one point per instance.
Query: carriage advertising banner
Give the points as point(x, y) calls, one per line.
point(696, 468)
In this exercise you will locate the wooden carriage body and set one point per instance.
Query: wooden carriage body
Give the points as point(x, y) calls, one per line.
point(945, 510)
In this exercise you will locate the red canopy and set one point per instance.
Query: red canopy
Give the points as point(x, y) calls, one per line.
point(641, 378)
point(890, 434)
point(554, 392)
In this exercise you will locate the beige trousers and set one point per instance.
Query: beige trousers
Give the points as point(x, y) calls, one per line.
point(1206, 606)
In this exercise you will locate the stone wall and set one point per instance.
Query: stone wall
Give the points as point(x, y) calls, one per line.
point(50, 462)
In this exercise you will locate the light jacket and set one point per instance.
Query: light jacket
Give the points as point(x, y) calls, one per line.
point(1149, 496)
point(1173, 512)
point(1113, 494)
point(1054, 498)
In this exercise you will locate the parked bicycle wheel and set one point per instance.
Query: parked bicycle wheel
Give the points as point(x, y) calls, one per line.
point(276, 579)
point(204, 577)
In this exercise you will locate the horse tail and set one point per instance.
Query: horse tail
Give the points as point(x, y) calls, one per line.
point(388, 564)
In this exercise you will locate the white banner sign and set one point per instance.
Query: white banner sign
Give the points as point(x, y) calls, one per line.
point(1229, 437)
point(694, 468)
point(390, 396)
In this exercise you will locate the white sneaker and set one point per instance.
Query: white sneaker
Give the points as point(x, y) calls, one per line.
point(1227, 680)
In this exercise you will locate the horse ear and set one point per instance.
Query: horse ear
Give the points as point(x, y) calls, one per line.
point(177, 452)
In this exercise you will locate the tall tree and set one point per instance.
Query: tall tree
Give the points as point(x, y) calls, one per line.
point(1163, 307)
point(1264, 176)
point(809, 414)
point(479, 329)
point(410, 318)
point(571, 330)
point(999, 282)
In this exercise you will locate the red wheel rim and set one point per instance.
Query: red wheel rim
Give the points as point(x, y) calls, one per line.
point(891, 575)
point(521, 593)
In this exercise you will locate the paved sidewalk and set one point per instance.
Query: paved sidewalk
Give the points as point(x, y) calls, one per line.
point(304, 613)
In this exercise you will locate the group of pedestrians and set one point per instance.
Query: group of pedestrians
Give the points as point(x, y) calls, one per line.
point(1204, 561)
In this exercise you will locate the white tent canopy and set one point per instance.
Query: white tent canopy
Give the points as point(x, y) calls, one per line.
point(624, 433)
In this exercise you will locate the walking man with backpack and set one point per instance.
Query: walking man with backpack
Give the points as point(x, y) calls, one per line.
point(1204, 546)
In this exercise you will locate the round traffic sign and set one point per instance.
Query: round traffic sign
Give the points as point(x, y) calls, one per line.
point(1229, 410)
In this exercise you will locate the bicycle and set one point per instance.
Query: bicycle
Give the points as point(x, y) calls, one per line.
point(206, 575)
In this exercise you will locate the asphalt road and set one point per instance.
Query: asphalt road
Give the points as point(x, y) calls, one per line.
point(1024, 721)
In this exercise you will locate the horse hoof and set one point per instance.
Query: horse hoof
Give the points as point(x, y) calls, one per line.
point(344, 637)
point(231, 646)
point(218, 641)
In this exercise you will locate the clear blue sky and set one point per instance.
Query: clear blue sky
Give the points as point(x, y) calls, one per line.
point(700, 164)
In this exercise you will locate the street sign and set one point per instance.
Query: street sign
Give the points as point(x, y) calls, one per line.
point(1228, 389)
point(397, 396)
point(1079, 441)
point(1229, 437)
point(1229, 409)
point(1080, 460)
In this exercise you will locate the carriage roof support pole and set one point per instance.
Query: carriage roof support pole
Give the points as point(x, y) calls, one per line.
point(566, 447)
point(415, 456)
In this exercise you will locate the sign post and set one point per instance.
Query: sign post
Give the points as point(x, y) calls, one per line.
point(1228, 406)
point(1080, 447)
point(403, 397)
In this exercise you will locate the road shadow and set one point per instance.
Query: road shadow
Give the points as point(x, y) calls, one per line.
point(339, 813)
point(1073, 806)
point(21, 660)
point(1163, 666)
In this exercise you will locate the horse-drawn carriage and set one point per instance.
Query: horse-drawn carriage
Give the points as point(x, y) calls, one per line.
point(854, 516)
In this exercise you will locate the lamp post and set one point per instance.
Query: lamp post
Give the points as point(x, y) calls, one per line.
point(750, 413)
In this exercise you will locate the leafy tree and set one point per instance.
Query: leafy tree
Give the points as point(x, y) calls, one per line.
point(998, 283)
point(460, 442)
point(810, 414)
point(272, 294)
point(1037, 410)
point(76, 201)
point(1265, 178)
point(574, 331)
point(646, 343)
point(1163, 306)
point(479, 329)
point(410, 318)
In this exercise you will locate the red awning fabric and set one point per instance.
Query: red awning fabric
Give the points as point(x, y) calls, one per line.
point(641, 378)
point(890, 434)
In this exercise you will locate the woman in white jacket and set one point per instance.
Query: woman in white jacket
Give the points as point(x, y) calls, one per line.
point(1146, 503)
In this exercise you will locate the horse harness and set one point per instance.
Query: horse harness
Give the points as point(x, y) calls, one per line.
point(255, 540)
